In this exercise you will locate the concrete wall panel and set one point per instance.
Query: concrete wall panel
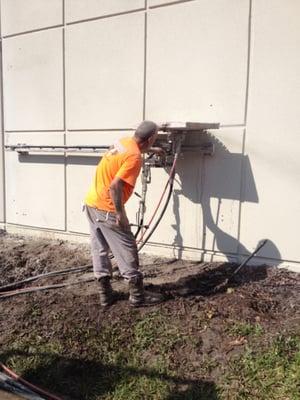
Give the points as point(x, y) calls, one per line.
point(152, 3)
point(35, 183)
point(2, 172)
point(1, 180)
point(221, 191)
point(105, 62)
point(197, 61)
point(20, 16)
point(77, 10)
point(273, 139)
point(33, 86)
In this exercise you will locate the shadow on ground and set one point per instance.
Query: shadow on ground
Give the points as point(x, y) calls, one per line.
point(213, 279)
point(74, 379)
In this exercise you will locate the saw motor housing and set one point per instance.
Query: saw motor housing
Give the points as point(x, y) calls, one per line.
point(182, 137)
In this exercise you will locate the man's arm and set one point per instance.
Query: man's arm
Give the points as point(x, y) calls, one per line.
point(116, 191)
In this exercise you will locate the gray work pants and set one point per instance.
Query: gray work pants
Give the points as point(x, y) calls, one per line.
point(107, 235)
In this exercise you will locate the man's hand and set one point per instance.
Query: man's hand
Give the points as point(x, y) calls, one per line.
point(157, 150)
point(122, 220)
point(116, 189)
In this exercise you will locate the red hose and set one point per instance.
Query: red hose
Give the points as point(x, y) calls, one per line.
point(28, 384)
point(160, 200)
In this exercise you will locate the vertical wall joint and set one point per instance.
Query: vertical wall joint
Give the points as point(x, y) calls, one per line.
point(2, 166)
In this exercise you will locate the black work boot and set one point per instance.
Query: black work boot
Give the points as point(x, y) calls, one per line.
point(139, 297)
point(105, 291)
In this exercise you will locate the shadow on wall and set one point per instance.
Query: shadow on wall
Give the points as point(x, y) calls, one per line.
point(213, 180)
point(59, 159)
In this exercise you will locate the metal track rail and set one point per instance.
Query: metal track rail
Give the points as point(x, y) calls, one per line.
point(26, 149)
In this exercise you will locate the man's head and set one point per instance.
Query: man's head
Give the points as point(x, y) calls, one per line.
point(146, 134)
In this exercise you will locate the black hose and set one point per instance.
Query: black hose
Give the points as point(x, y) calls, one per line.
point(140, 225)
point(171, 183)
point(41, 288)
point(15, 285)
point(141, 221)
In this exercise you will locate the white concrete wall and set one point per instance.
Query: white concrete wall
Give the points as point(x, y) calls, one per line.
point(87, 72)
point(2, 186)
point(2, 169)
point(273, 128)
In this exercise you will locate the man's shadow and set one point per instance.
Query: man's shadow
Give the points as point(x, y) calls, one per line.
point(217, 185)
point(72, 378)
point(210, 182)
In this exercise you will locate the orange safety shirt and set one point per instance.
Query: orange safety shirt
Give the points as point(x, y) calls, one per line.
point(122, 160)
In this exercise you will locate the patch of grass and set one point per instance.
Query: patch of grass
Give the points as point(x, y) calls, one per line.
point(245, 329)
point(155, 339)
point(272, 373)
point(156, 329)
point(120, 360)
point(143, 387)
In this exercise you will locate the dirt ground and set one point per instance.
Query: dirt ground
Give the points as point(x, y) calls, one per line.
point(196, 295)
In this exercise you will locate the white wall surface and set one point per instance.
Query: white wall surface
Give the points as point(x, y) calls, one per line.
point(77, 10)
point(2, 153)
point(197, 61)
point(22, 16)
point(104, 68)
point(273, 129)
point(35, 187)
point(89, 73)
point(33, 81)
point(2, 194)
point(1, 184)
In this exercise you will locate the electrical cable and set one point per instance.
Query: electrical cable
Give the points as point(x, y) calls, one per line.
point(33, 387)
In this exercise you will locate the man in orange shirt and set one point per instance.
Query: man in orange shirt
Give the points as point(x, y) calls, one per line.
point(113, 184)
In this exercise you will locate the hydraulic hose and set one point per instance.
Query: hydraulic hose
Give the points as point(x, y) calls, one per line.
point(145, 180)
point(29, 385)
point(169, 183)
point(141, 223)
point(41, 288)
point(16, 285)
point(160, 216)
